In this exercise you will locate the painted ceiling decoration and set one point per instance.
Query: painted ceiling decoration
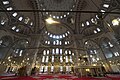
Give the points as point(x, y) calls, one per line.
point(60, 33)
point(84, 19)
point(61, 5)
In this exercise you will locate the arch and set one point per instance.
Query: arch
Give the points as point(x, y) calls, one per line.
point(93, 50)
point(15, 48)
point(6, 41)
point(4, 18)
point(109, 49)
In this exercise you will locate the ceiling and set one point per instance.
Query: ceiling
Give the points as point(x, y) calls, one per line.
point(75, 16)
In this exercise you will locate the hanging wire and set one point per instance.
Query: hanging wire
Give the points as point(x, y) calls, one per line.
point(58, 11)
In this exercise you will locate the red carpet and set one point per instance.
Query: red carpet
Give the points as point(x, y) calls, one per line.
point(63, 77)
point(18, 78)
point(113, 77)
point(91, 78)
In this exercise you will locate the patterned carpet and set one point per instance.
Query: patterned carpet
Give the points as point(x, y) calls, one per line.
point(57, 77)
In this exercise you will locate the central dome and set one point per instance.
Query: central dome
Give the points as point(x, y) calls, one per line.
point(57, 4)
point(56, 28)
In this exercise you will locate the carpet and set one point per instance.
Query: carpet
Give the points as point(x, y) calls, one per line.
point(18, 78)
point(56, 77)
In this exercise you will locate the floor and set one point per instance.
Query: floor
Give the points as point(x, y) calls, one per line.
point(58, 77)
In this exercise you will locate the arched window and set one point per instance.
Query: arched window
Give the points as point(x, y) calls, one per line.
point(19, 47)
point(109, 49)
point(93, 51)
point(44, 52)
point(57, 50)
point(5, 43)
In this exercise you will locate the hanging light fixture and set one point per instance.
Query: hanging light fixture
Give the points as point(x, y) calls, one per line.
point(116, 22)
point(51, 21)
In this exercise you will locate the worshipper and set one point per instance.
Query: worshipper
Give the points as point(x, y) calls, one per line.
point(22, 71)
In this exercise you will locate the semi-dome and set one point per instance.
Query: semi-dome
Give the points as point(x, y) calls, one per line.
point(60, 36)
